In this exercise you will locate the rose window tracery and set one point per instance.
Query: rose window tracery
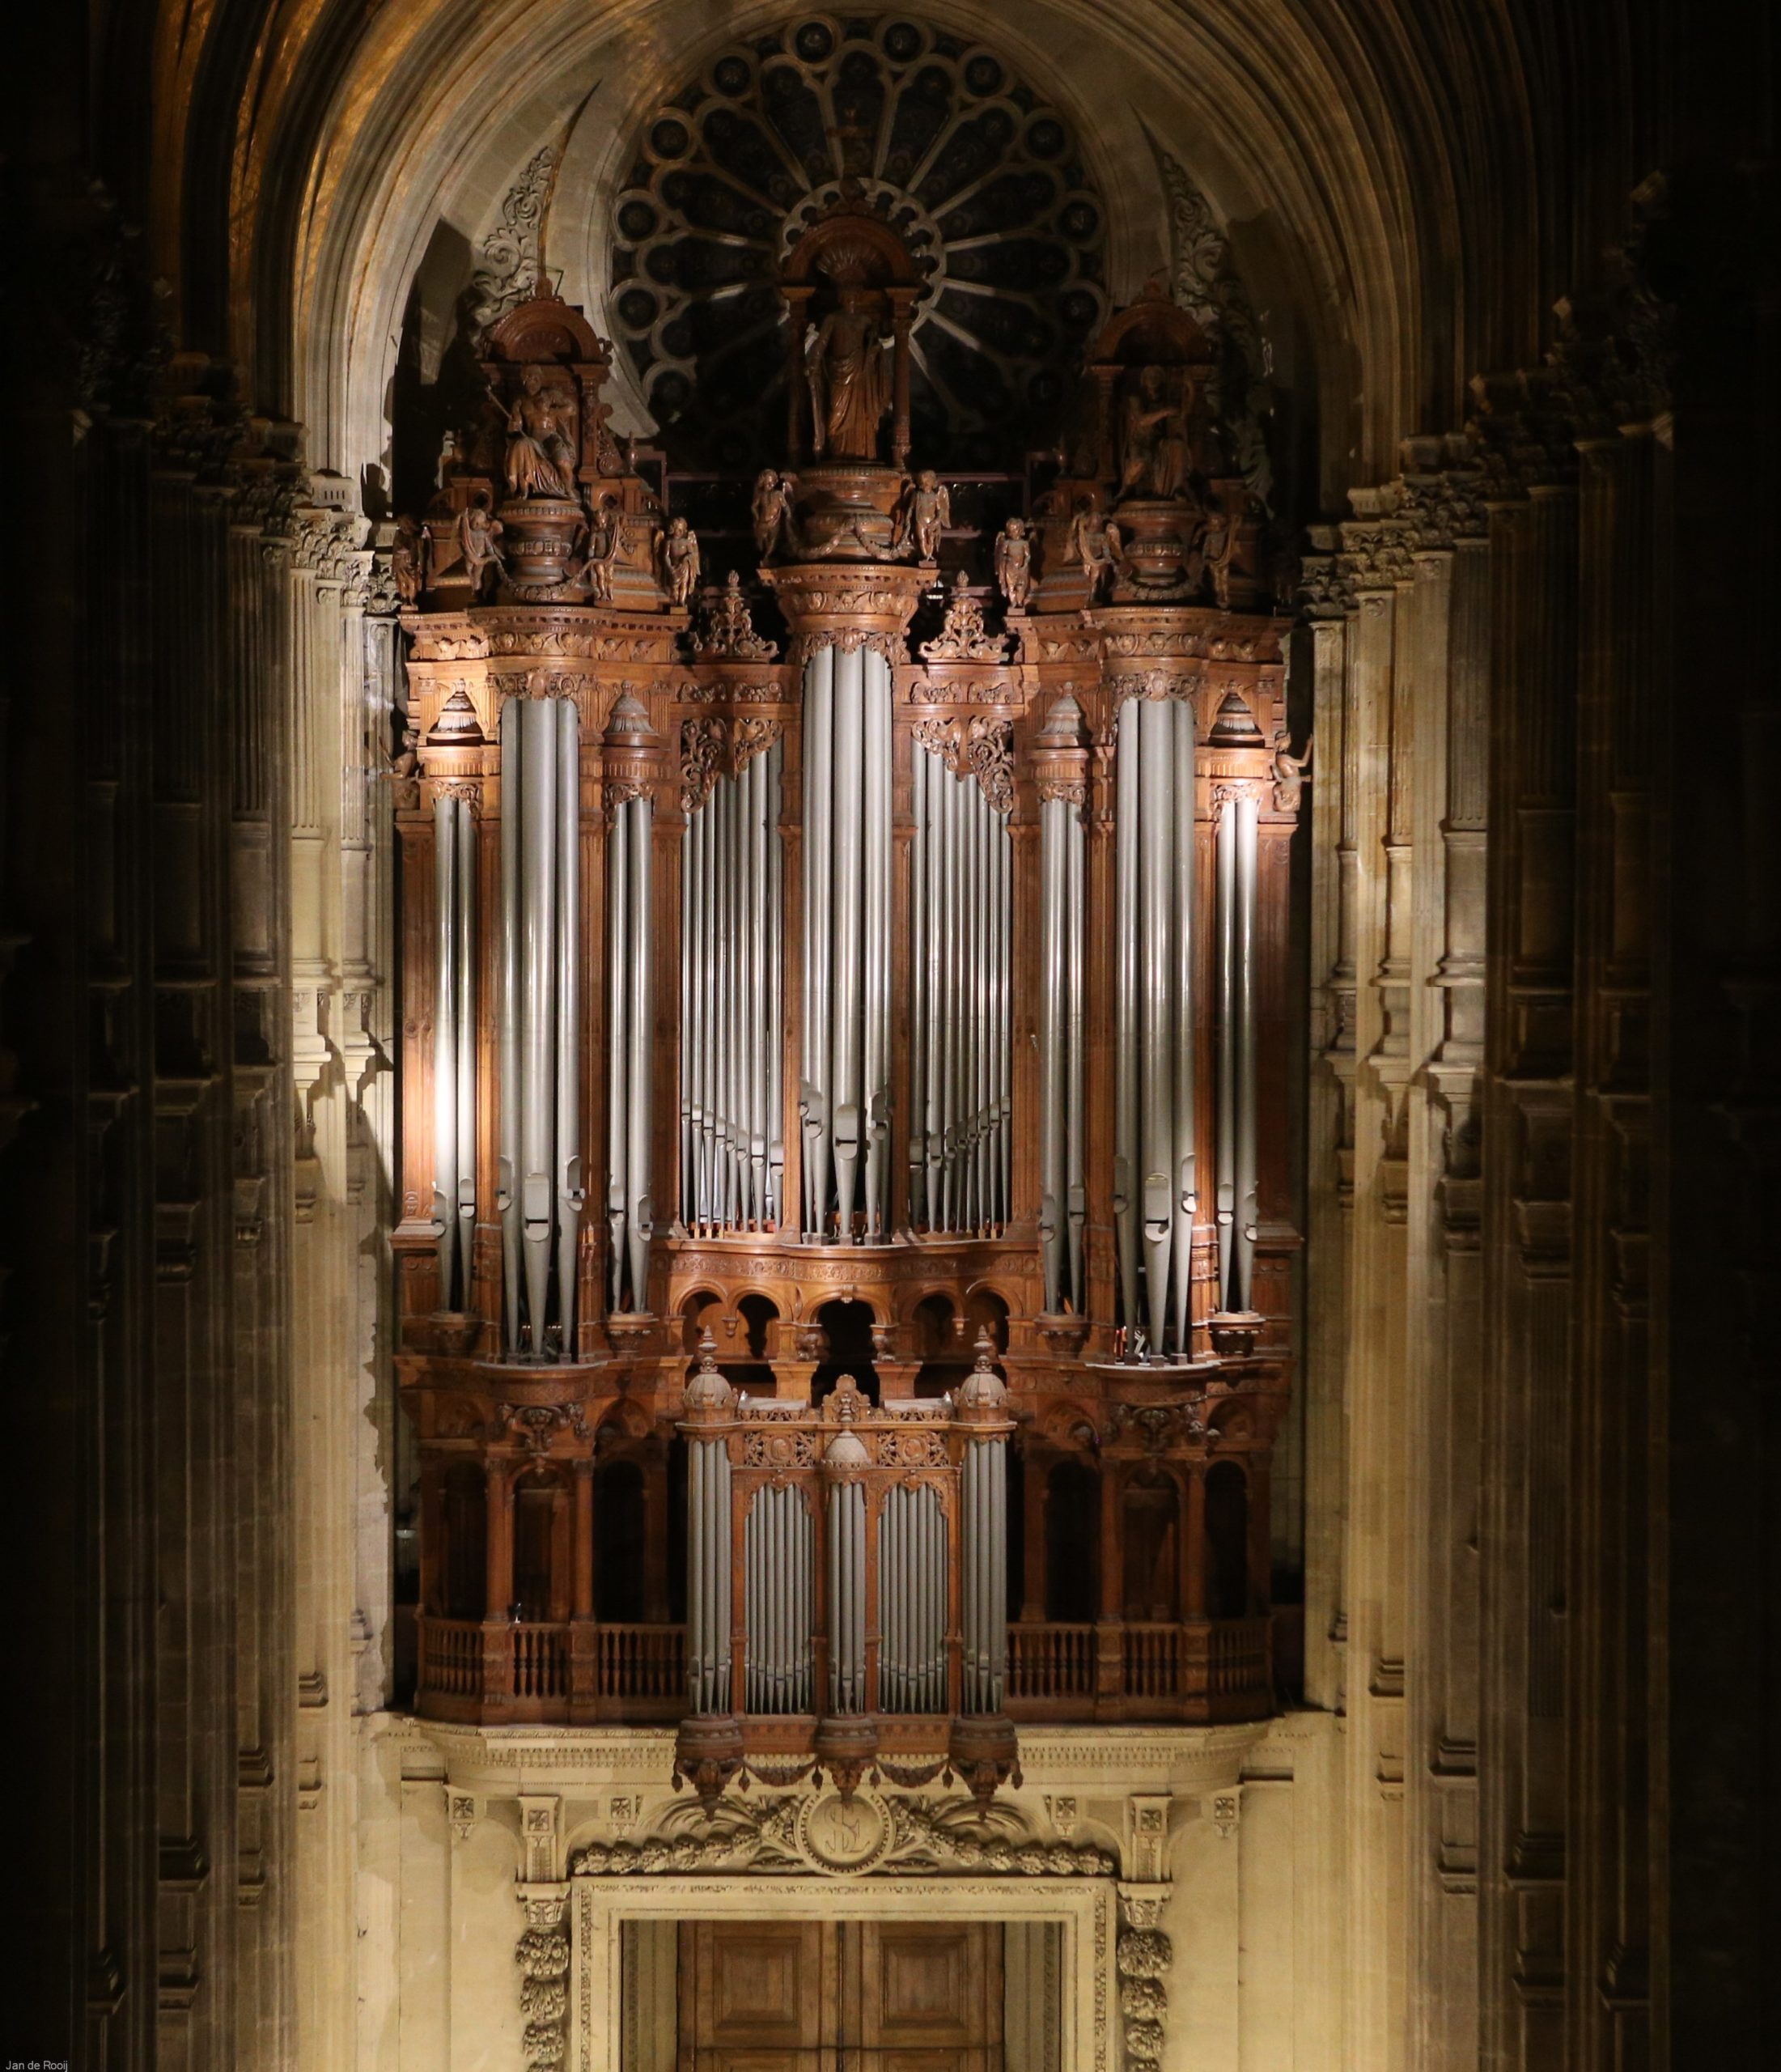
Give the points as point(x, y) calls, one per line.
point(981, 178)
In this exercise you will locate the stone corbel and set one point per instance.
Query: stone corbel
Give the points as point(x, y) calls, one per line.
point(540, 1836)
point(1224, 1810)
point(1145, 1852)
point(463, 1810)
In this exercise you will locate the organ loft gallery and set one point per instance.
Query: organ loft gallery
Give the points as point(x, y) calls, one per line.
point(889, 1038)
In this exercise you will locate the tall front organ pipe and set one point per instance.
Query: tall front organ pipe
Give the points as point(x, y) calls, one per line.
point(844, 1099)
point(541, 1167)
point(629, 1015)
point(1236, 1102)
point(1063, 1200)
point(454, 1044)
point(1154, 1176)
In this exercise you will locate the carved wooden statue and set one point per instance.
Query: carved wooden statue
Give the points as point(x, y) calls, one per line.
point(1014, 564)
point(677, 558)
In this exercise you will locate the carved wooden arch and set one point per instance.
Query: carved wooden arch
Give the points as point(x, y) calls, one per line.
point(1154, 329)
point(545, 330)
point(1061, 1425)
point(849, 247)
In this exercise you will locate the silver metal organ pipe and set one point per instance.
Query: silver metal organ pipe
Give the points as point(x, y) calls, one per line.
point(845, 1030)
point(773, 783)
point(1155, 1099)
point(464, 1074)
point(1052, 1205)
point(1184, 1171)
point(618, 956)
point(1077, 1197)
point(637, 1206)
point(1244, 1205)
point(815, 1095)
point(571, 1194)
point(538, 1007)
point(918, 995)
point(875, 1080)
point(445, 1043)
point(1227, 1044)
point(1126, 1082)
point(511, 1066)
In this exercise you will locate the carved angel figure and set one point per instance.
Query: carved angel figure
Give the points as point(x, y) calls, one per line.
point(605, 529)
point(925, 512)
point(540, 456)
point(772, 511)
point(1014, 564)
point(478, 535)
point(1099, 548)
point(677, 561)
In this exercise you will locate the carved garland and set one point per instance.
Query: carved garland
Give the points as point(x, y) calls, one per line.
point(542, 1955)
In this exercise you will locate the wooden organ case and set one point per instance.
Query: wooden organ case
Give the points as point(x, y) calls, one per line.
point(846, 1252)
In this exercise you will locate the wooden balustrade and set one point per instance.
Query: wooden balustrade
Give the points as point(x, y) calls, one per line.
point(1047, 1662)
point(530, 1670)
point(1206, 1670)
point(1156, 1670)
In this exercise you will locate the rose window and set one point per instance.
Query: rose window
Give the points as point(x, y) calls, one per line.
point(981, 177)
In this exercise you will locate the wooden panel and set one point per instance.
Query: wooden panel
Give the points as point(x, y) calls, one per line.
point(930, 1995)
point(840, 1997)
point(759, 1989)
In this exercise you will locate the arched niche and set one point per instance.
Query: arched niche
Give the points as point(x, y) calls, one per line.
point(1072, 1536)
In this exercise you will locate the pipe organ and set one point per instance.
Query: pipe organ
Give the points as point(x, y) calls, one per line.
point(914, 972)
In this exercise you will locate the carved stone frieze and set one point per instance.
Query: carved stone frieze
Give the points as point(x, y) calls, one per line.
point(818, 1830)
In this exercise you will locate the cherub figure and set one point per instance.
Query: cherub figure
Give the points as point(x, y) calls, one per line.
point(478, 535)
point(1014, 564)
point(1099, 548)
point(408, 561)
point(406, 764)
point(677, 562)
point(926, 510)
point(772, 509)
point(604, 530)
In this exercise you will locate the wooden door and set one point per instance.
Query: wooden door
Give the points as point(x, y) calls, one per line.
point(796, 1996)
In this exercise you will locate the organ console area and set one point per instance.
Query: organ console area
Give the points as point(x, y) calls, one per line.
point(845, 1260)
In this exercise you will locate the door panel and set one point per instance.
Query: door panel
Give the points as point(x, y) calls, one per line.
point(840, 1997)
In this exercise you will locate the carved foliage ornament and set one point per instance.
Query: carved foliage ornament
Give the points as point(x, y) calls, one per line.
point(715, 746)
point(873, 1832)
point(981, 747)
point(542, 1955)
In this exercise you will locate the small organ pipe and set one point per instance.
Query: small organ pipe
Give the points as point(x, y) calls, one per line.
point(773, 782)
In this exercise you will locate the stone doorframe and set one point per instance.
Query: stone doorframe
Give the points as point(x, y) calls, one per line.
point(598, 1907)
